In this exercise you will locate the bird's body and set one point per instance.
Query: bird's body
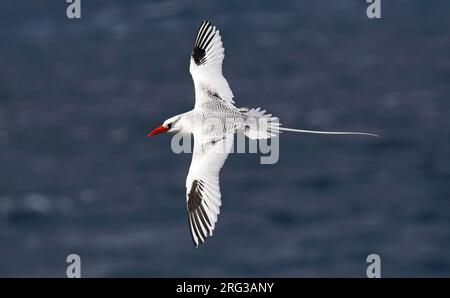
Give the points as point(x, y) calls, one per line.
point(226, 120)
point(213, 122)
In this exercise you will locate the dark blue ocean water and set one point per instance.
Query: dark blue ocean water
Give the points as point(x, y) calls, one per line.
point(78, 174)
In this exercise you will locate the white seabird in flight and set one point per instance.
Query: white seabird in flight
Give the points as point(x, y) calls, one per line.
point(214, 100)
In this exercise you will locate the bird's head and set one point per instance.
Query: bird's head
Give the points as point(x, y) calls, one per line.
point(171, 125)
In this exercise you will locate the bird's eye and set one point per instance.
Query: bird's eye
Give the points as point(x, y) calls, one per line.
point(169, 125)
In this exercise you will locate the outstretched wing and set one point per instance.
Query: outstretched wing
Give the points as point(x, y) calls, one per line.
point(206, 67)
point(202, 185)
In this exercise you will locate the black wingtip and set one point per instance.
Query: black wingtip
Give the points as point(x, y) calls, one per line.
point(198, 55)
point(205, 34)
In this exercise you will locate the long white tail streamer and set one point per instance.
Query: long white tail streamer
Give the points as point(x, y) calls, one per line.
point(329, 132)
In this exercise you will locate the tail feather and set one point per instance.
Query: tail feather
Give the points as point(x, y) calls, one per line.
point(329, 132)
point(259, 125)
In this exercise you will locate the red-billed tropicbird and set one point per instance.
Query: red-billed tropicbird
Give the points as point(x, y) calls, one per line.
point(214, 100)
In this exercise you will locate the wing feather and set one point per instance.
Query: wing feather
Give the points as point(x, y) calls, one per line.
point(202, 186)
point(206, 67)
